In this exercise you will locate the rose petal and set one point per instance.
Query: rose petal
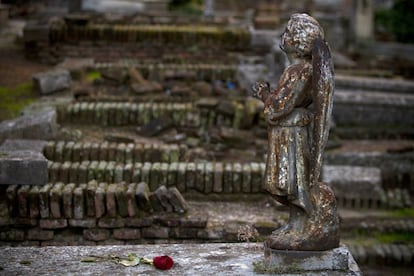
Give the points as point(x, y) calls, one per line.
point(163, 262)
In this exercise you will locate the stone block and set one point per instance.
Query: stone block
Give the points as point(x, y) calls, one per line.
point(172, 174)
point(181, 177)
point(354, 182)
point(23, 167)
point(11, 194)
point(155, 232)
point(24, 144)
point(164, 198)
point(90, 198)
point(155, 202)
point(139, 222)
point(177, 201)
point(44, 208)
point(130, 199)
point(100, 204)
point(79, 203)
point(53, 223)
point(55, 198)
point(33, 197)
point(24, 222)
point(111, 222)
point(52, 81)
point(82, 223)
point(218, 177)
point(12, 235)
point(256, 177)
point(38, 126)
point(290, 261)
point(190, 176)
point(39, 234)
point(127, 234)
point(228, 178)
point(121, 199)
point(111, 200)
point(96, 234)
point(237, 178)
point(199, 184)
point(142, 195)
point(22, 199)
point(246, 178)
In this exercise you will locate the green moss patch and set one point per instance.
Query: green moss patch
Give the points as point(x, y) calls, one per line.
point(12, 100)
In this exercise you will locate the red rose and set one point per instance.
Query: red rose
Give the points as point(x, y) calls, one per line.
point(163, 262)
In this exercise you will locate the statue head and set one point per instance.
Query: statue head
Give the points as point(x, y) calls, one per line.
point(299, 35)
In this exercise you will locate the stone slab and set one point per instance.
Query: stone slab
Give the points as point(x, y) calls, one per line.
point(23, 168)
point(190, 259)
point(40, 125)
point(290, 261)
point(52, 81)
point(23, 144)
point(354, 181)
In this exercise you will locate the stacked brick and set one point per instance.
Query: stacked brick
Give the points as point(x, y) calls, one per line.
point(203, 177)
point(97, 213)
point(62, 151)
point(153, 34)
point(125, 113)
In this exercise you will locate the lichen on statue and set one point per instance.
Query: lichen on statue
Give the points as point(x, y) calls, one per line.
point(297, 113)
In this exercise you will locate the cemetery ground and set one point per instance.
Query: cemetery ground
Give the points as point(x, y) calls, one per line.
point(109, 131)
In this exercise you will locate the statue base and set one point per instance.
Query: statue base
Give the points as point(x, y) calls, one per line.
point(337, 261)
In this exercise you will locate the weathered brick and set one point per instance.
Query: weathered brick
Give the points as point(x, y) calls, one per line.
point(76, 152)
point(56, 200)
point(67, 151)
point(83, 172)
point(59, 151)
point(129, 158)
point(127, 234)
point(53, 223)
point(138, 152)
point(155, 176)
point(136, 172)
point(112, 151)
point(96, 234)
point(131, 202)
point(209, 178)
point(118, 173)
point(39, 234)
point(67, 198)
point(44, 201)
point(92, 168)
point(24, 222)
point(86, 149)
point(127, 173)
point(167, 220)
point(172, 174)
point(155, 232)
point(145, 172)
point(49, 150)
point(83, 223)
point(156, 205)
point(109, 172)
point(54, 172)
point(94, 152)
point(111, 201)
point(100, 171)
point(194, 221)
point(164, 198)
point(120, 153)
point(228, 178)
point(90, 198)
point(22, 197)
point(218, 177)
point(237, 177)
point(79, 203)
point(12, 235)
point(34, 202)
point(177, 201)
point(256, 177)
point(12, 202)
point(64, 172)
point(163, 177)
point(199, 177)
point(247, 178)
point(103, 151)
point(142, 196)
point(190, 176)
point(121, 199)
point(139, 222)
point(73, 172)
point(111, 222)
point(100, 203)
point(181, 177)
point(184, 233)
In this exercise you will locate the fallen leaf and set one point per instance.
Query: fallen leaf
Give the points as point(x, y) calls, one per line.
point(133, 260)
point(88, 260)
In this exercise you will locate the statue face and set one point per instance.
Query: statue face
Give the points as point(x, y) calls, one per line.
point(299, 35)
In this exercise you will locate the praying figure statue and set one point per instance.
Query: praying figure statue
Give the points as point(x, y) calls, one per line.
point(298, 113)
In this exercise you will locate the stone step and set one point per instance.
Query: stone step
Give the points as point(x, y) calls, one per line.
point(381, 224)
point(383, 254)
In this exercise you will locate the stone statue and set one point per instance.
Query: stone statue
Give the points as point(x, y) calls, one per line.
point(298, 113)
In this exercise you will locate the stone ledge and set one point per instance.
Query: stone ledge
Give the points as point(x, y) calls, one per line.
point(190, 259)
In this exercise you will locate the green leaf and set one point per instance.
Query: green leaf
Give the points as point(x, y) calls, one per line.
point(88, 260)
point(133, 260)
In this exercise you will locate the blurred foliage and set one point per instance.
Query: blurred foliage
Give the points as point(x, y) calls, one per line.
point(398, 20)
point(188, 7)
point(12, 100)
point(93, 75)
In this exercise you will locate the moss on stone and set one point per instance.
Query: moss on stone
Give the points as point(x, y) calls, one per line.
point(13, 100)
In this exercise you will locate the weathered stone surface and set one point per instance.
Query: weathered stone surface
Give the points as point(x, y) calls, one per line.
point(52, 81)
point(155, 127)
point(23, 167)
point(44, 201)
point(23, 144)
point(155, 232)
point(142, 195)
point(39, 235)
point(288, 261)
point(127, 234)
point(96, 234)
point(111, 200)
point(82, 223)
point(55, 198)
point(354, 182)
point(53, 223)
point(78, 203)
point(216, 259)
point(111, 222)
point(177, 201)
point(22, 198)
point(34, 202)
point(67, 198)
point(41, 125)
point(164, 198)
